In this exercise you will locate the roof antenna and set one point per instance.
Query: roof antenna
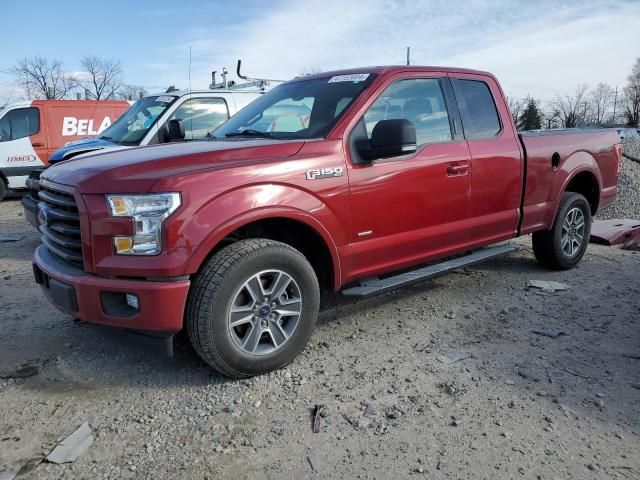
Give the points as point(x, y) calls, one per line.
point(189, 68)
point(191, 117)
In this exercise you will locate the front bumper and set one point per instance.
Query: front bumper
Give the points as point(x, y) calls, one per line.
point(95, 299)
point(30, 207)
point(30, 200)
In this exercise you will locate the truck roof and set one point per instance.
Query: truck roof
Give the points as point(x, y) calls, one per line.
point(390, 69)
point(182, 93)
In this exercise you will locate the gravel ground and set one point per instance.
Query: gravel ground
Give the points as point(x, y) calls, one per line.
point(627, 204)
point(520, 405)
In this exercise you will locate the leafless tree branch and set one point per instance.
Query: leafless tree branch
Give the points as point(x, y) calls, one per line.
point(104, 77)
point(43, 78)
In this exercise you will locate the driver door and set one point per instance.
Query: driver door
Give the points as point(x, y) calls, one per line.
point(415, 207)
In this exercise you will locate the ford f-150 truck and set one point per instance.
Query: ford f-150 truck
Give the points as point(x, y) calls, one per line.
point(360, 181)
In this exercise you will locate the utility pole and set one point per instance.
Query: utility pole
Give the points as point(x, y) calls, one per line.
point(408, 55)
point(615, 102)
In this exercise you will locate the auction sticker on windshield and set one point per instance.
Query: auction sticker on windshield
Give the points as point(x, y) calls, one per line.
point(354, 77)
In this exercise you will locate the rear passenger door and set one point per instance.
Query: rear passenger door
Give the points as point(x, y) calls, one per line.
point(496, 158)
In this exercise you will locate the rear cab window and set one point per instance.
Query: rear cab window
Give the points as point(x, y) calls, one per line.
point(480, 119)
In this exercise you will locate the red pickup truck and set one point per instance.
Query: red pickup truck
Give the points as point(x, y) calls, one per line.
point(361, 181)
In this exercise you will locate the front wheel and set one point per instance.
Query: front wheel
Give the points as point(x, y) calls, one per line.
point(564, 245)
point(252, 307)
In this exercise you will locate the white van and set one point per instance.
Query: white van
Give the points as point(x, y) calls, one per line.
point(149, 121)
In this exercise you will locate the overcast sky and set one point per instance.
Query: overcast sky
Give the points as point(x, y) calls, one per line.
point(542, 48)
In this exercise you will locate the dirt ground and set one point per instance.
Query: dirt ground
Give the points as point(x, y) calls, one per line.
point(521, 405)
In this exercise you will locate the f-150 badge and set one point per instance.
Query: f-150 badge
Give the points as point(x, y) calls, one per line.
point(318, 173)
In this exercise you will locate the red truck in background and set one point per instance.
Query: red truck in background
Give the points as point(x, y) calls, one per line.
point(379, 171)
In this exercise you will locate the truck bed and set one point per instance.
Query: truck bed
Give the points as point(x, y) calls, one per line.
point(561, 153)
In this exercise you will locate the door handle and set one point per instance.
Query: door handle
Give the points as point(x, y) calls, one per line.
point(457, 168)
point(38, 144)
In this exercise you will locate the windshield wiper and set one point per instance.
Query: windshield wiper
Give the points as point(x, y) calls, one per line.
point(251, 133)
point(104, 137)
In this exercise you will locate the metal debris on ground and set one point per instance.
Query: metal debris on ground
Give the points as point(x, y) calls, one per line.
point(312, 463)
point(551, 333)
point(317, 412)
point(624, 232)
point(452, 357)
point(547, 285)
point(10, 238)
point(70, 449)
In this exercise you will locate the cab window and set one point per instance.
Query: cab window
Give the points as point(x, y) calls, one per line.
point(200, 116)
point(19, 123)
point(419, 100)
point(5, 128)
point(479, 114)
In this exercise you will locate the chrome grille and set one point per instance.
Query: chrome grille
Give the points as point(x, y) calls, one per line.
point(60, 225)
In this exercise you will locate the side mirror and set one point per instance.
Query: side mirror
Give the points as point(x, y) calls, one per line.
point(391, 138)
point(175, 130)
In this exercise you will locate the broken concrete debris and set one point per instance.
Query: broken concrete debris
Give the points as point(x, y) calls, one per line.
point(548, 286)
point(451, 357)
point(70, 449)
point(548, 332)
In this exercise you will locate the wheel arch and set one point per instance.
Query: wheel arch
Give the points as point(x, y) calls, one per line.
point(296, 228)
point(584, 182)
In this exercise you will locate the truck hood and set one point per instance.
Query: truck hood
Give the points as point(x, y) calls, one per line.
point(135, 170)
point(85, 145)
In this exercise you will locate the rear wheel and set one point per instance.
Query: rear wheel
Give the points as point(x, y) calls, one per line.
point(564, 245)
point(252, 307)
point(3, 189)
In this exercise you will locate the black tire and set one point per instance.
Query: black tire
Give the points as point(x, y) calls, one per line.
point(548, 245)
point(214, 289)
point(3, 189)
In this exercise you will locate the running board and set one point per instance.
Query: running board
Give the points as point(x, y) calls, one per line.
point(378, 285)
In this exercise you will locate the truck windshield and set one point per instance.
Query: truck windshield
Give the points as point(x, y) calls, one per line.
point(132, 126)
point(300, 109)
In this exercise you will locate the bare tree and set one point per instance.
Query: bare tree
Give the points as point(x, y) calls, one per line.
point(516, 105)
point(632, 96)
point(572, 110)
point(40, 77)
point(132, 92)
point(104, 77)
point(600, 102)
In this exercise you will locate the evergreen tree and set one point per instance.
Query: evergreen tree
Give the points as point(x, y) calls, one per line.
point(530, 118)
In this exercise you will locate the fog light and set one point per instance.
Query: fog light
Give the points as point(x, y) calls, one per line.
point(132, 301)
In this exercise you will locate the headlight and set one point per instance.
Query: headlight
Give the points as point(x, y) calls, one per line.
point(148, 213)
